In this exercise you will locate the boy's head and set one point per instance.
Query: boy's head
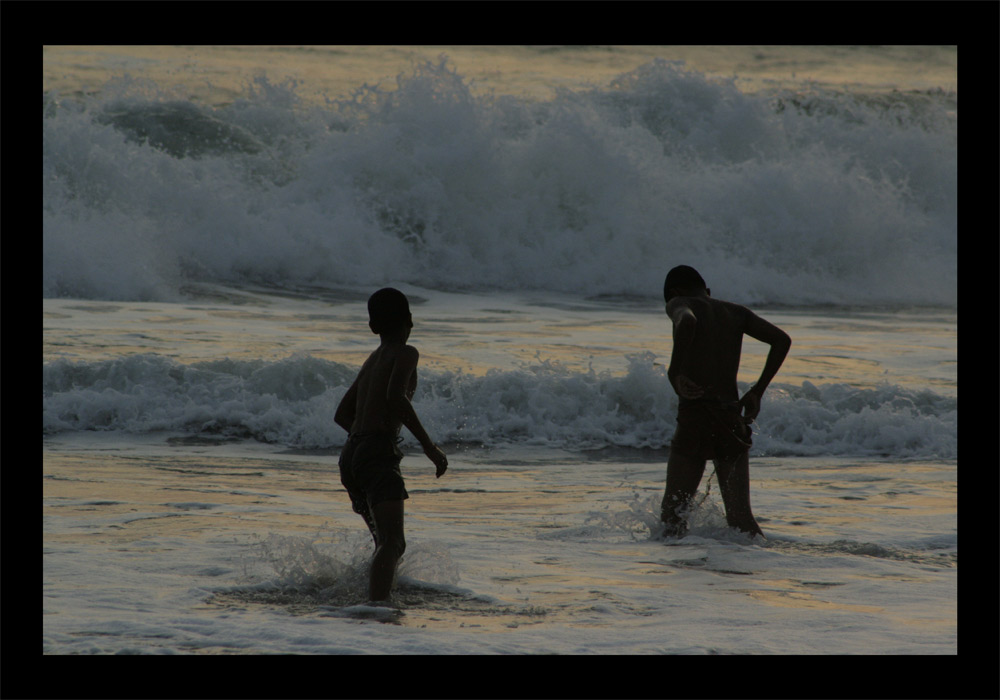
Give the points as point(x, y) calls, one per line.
point(680, 279)
point(388, 310)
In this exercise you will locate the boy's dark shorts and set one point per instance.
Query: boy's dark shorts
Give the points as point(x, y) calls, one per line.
point(711, 431)
point(369, 470)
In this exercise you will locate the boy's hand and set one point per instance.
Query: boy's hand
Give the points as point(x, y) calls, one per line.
point(435, 455)
point(750, 403)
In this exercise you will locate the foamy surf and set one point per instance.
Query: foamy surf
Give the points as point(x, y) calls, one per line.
point(288, 402)
point(826, 196)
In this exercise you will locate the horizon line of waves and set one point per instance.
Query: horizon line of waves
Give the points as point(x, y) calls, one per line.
point(292, 401)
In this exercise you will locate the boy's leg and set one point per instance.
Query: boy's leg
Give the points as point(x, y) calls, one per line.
point(370, 522)
point(683, 476)
point(391, 545)
point(359, 503)
point(734, 483)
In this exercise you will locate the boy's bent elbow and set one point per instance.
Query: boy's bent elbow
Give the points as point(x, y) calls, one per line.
point(781, 345)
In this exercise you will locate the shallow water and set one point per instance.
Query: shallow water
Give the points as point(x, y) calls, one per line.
point(159, 548)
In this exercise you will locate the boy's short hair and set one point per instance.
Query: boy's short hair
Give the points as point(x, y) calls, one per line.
point(388, 309)
point(682, 277)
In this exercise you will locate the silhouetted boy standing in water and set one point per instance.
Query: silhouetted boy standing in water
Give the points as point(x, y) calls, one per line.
point(372, 411)
point(708, 337)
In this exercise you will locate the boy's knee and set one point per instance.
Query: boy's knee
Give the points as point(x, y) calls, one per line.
point(394, 544)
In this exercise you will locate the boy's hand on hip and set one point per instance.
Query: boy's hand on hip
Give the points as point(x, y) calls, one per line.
point(750, 403)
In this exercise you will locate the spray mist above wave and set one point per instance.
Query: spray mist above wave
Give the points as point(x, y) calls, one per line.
point(291, 402)
point(796, 199)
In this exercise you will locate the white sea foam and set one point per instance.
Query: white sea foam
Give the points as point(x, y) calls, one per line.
point(291, 401)
point(796, 198)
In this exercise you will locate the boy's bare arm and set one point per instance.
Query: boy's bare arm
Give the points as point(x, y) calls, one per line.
point(780, 342)
point(685, 323)
point(411, 388)
point(397, 400)
point(400, 384)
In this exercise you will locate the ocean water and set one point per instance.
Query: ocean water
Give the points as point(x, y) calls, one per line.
point(214, 219)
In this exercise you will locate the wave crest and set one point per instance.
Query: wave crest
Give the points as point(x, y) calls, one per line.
point(829, 198)
point(291, 402)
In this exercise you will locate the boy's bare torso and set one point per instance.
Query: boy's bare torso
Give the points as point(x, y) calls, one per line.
point(389, 364)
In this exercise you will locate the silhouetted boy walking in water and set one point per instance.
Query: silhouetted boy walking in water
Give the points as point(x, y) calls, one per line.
point(708, 336)
point(372, 411)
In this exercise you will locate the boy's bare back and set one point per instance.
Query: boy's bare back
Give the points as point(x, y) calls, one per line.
point(708, 340)
point(712, 359)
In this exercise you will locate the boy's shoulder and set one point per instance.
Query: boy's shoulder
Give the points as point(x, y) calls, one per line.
point(392, 352)
point(731, 306)
point(722, 313)
point(704, 302)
